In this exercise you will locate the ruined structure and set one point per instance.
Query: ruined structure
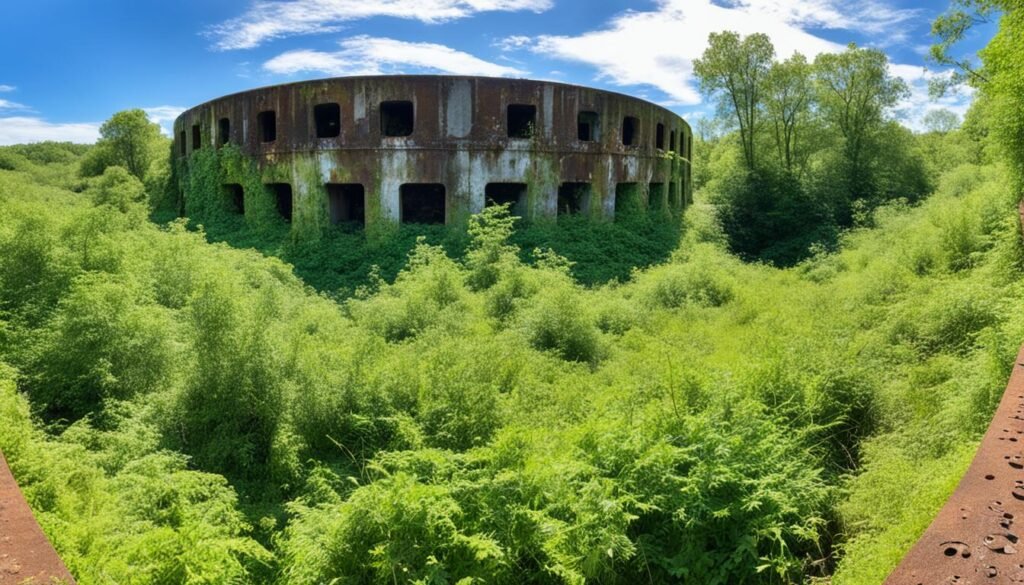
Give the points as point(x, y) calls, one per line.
point(434, 149)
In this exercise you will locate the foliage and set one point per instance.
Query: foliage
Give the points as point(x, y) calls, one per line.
point(736, 70)
point(818, 151)
point(182, 411)
point(127, 139)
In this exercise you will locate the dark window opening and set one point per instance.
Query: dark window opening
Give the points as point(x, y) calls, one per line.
point(223, 131)
point(659, 137)
point(630, 126)
point(673, 194)
point(588, 127)
point(396, 118)
point(514, 194)
point(689, 146)
point(522, 121)
point(181, 142)
point(422, 203)
point(347, 203)
point(672, 141)
point(283, 194)
point(234, 195)
point(197, 137)
point(267, 122)
point(328, 120)
point(656, 196)
point(573, 198)
point(627, 197)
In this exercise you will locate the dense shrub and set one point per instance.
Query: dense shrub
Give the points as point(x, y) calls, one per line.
point(477, 412)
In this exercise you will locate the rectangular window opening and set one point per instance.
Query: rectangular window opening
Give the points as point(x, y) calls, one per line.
point(396, 118)
point(656, 196)
point(283, 196)
point(630, 128)
point(659, 137)
point(689, 147)
point(521, 121)
point(347, 203)
point(627, 197)
point(181, 143)
point(672, 141)
point(423, 203)
point(223, 131)
point(267, 123)
point(234, 196)
point(573, 198)
point(588, 127)
point(197, 137)
point(328, 120)
point(514, 194)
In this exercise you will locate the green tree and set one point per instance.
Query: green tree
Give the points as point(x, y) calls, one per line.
point(941, 121)
point(999, 77)
point(734, 70)
point(854, 90)
point(789, 92)
point(127, 139)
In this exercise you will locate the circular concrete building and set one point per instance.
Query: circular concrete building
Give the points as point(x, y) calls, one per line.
point(434, 149)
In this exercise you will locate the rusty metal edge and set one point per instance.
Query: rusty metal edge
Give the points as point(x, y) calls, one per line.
point(975, 538)
point(26, 555)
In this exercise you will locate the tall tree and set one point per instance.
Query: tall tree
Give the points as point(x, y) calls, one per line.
point(941, 121)
point(854, 89)
point(999, 77)
point(789, 90)
point(130, 140)
point(734, 70)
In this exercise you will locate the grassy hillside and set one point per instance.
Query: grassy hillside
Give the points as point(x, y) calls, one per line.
point(184, 412)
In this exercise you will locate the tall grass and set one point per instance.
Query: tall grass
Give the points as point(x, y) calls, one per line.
point(181, 411)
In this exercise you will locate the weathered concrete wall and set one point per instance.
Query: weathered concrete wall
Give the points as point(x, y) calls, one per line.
point(459, 139)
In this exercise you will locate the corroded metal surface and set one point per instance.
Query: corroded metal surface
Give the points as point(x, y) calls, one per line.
point(460, 139)
point(975, 539)
point(26, 557)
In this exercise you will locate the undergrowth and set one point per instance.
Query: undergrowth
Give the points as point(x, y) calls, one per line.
point(182, 411)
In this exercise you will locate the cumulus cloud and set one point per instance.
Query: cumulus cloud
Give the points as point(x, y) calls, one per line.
point(657, 47)
point(912, 109)
point(20, 130)
point(364, 55)
point(164, 116)
point(266, 20)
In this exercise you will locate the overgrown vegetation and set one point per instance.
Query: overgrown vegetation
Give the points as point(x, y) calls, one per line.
point(802, 151)
point(196, 413)
point(181, 411)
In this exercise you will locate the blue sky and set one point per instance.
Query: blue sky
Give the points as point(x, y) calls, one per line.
point(67, 65)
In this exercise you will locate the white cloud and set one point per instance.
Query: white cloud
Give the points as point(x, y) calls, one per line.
point(868, 16)
point(912, 109)
point(20, 130)
point(164, 116)
point(6, 88)
point(364, 55)
point(9, 105)
point(657, 47)
point(513, 42)
point(266, 20)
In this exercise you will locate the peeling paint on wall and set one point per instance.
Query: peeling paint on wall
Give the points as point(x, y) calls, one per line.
point(458, 139)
